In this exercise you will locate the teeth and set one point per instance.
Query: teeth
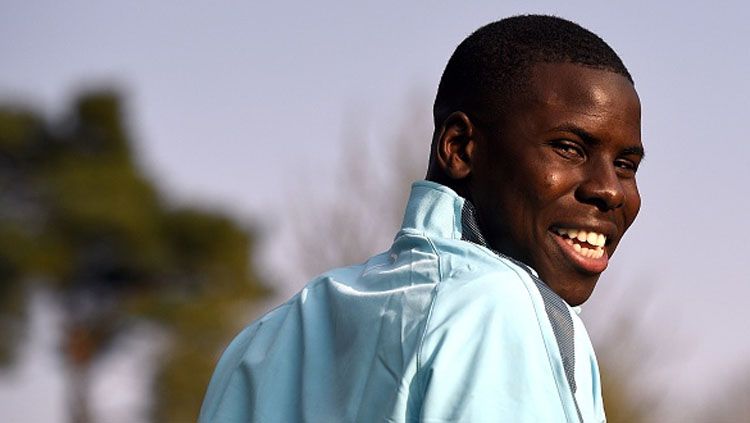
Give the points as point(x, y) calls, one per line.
point(594, 253)
point(594, 238)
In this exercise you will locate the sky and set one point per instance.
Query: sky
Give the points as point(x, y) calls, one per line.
point(229, 100)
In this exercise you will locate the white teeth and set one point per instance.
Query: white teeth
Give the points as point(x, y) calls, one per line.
point(594, 253)
point(594, 238)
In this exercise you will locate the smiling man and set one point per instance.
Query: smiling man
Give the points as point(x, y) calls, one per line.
point(469, 315)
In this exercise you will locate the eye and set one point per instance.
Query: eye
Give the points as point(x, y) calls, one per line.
point(626, 167)
point(569, 149)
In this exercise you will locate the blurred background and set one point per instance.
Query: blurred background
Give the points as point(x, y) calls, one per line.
point(171, 170)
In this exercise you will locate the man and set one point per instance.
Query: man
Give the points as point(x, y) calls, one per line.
point(469, 316)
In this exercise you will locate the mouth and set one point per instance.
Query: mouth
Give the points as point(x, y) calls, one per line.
point(584, 249)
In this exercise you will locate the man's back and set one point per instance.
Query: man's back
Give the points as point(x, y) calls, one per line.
point(438, 328)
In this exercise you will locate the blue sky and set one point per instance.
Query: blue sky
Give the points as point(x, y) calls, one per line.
point(229, 99)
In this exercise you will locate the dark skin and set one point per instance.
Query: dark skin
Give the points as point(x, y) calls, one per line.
point(562, 157)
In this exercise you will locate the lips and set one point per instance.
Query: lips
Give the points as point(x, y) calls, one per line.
point(584, 249)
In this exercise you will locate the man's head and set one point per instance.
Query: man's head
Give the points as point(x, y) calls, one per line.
point(537, 123)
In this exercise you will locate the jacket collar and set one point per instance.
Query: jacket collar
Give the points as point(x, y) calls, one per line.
point(437, 210)
point(434, 210)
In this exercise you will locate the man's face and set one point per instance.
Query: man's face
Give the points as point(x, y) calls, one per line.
point(554, 179)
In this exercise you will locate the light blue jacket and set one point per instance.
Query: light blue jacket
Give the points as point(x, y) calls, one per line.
point(437, 329)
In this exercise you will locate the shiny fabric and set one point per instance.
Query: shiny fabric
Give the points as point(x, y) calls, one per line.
point(436, 329)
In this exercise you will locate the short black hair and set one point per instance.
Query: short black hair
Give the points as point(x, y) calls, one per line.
point(493, 63)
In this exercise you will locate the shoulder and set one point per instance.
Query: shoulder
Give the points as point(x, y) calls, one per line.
point(484, 295)
point(475, 278)
point(230, 393)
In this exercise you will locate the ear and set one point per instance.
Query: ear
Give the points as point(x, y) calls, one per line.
point(455, 146)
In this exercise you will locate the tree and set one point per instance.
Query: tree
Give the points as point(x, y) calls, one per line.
point(20, 135)
point(77, 213)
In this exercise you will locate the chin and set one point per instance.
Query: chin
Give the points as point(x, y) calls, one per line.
point(575, 292)
point(576, 300)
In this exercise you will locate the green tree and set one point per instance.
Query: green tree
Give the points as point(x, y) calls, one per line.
point(21, 135)
point(78, 214)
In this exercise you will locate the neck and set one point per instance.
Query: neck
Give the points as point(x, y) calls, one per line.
point(457, 185)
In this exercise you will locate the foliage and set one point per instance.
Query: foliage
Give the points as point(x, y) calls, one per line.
point(77, 213)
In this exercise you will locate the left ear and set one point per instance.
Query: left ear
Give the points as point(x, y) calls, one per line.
point(455, 146)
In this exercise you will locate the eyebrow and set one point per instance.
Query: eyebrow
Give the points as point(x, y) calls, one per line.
point(637, 151)
point(590, 139)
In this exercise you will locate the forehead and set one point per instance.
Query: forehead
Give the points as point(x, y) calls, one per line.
point(600, 103)
point(556, 91)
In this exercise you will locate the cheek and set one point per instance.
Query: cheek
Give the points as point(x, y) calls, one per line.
point(551, 180)
point(550, 187)
point(633, 205)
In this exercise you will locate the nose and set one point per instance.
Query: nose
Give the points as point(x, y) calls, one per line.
point(601, 186)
